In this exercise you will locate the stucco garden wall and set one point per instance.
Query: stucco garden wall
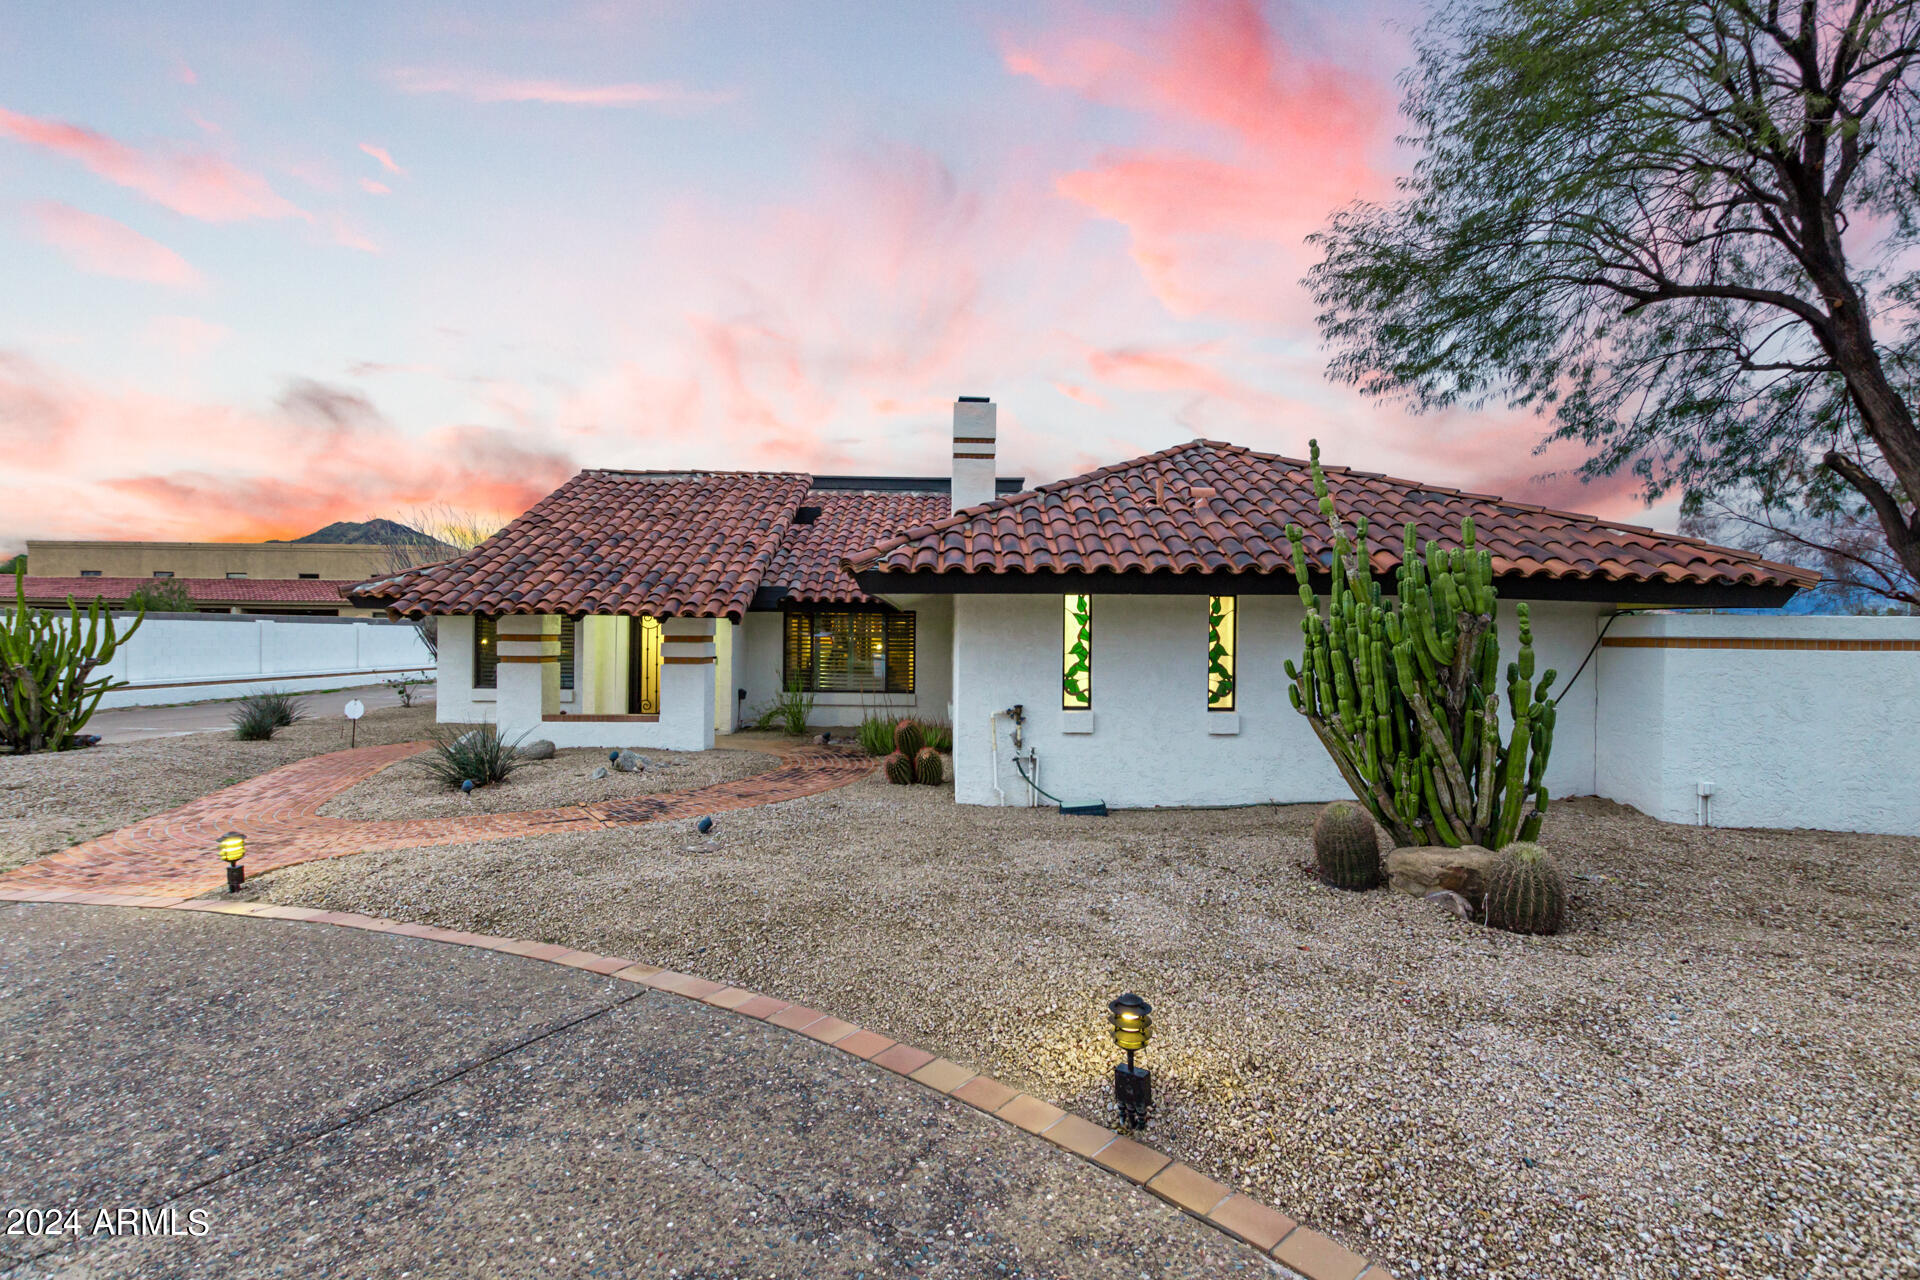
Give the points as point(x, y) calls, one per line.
point(1152, 739)
point(1794, 722)
point(199, 657)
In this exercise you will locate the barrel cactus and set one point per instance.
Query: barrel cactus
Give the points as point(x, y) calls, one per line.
point(907, 739)
point(1346, 847)
point(899, 769)
point(928, 769)
point(1525, 891)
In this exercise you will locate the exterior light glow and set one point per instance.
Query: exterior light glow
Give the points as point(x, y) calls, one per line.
point(1131, 1020)
point(233, 847)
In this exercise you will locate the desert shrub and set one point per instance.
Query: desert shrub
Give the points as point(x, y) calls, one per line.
point(403, 689)
point(161, 595)
point(876, 736)
point(476, 751)
point(938, 735)
point(258, 715)
point(792, 707)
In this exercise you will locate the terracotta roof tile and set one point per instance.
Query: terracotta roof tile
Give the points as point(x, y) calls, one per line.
point(199, 590)
point(808, 563)
point(664, 544)
point(1144, 516)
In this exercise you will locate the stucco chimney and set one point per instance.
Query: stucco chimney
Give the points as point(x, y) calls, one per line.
point(974, 434)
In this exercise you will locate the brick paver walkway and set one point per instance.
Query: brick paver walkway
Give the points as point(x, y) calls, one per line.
point(278, 812)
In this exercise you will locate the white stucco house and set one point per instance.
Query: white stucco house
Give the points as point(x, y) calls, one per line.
point(1118, 636)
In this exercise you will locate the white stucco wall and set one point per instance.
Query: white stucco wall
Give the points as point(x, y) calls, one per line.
point(1787, 736)
point(1153, 741)
point(202, 657)
point(760, 662)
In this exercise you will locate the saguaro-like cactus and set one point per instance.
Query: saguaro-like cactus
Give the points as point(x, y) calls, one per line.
point(1401, 689)
point(47, 690)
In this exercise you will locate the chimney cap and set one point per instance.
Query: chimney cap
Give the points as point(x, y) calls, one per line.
point(976, 399)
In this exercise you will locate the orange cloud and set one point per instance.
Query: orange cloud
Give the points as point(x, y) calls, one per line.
point(99, 462)
point(108, 248)
point(381, 154)
point(198, 185)
point(482, 87)
point(1217, 226)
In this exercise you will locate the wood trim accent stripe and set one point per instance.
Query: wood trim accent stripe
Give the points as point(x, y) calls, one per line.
point(529, 657)
point(600, 719)
point(669, 638)
point(973, 440)
point(983, 457)
point(1742, 642)
point(677, 660)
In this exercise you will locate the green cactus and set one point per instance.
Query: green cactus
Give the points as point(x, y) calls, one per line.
point(928, 769)
point(46, 693)
point(908, 739)
point(1401, 689)
point(899, 769)
point(1525, 891)
point(1346, 847)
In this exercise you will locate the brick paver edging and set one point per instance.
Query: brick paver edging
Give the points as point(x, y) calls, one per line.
point(1304, 1250)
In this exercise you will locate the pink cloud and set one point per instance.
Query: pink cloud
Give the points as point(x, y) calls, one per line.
point(196, 184)
point(112, 462)
point(381, 154)
point(186, 337)
point(483, 87)
point(108, 248)
point(373, 188)
point(1260, 143)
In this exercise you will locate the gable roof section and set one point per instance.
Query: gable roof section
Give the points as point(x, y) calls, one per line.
point(1152, 519)
point(689, 544)
point(809, 565)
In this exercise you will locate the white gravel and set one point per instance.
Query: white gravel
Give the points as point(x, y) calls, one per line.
point(1713, 1073)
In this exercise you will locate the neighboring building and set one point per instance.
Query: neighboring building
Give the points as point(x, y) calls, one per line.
point(1066, 632)
point(313, 561)
point(267, 596)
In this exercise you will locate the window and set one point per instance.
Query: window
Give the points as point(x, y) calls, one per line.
point(486, 653)
point(310, 575)
point(1076, 655)
point(236, 575)
point(850, 651)
point(163, 573)
point(1220, 638)
point(89, 573)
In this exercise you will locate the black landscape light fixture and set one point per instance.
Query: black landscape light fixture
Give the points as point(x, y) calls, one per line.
point(233, 847)
point(1132, 1020)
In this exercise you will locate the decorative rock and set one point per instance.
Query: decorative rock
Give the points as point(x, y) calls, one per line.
point(1448, 900)
point(599, 773)
point(627, 762)
point(538, 749)
point(1420, 869)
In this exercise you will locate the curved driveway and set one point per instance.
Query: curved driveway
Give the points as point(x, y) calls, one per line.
point(338, 1102)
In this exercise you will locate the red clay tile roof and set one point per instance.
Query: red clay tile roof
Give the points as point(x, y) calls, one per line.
point(199, 590)
point(665, 544)
point(1151, 515)
point(808, 563)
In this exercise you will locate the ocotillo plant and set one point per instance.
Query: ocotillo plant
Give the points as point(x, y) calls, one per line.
point(47, 692)
point(1401, 690)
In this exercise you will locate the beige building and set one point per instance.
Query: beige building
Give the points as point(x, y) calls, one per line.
point(321, 561)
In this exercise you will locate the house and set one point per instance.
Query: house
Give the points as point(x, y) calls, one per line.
point(1117, 636)
point(234, 593)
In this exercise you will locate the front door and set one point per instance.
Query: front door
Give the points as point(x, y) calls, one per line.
point(643, 667)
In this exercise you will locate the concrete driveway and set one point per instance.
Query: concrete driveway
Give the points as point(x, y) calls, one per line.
point(305, 1100)
point(137, 724)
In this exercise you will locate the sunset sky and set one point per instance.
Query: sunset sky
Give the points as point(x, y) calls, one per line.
point(269, 266)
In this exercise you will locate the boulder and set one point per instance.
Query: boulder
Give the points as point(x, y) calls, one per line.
point(600, 773)
point(1421, 869)
point(538, 749)
point(628, 762)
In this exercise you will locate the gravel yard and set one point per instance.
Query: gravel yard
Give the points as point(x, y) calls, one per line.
point(407, 790)
point(1714, 1072)
point(53, 799)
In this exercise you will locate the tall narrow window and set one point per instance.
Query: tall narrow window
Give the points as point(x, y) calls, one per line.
point(643, 667)
point(567, 650)
point(486, 653)
point(1220, 624)
point(1076, 656)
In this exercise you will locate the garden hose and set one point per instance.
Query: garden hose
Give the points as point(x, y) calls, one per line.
point(1098, 809)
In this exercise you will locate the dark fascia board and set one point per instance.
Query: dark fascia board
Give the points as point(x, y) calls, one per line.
point(912, 484)
point(1512, 587)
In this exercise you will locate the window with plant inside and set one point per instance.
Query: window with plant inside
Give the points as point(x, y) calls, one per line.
point(1220, 641)
point(850, 651)
point(1076, 656)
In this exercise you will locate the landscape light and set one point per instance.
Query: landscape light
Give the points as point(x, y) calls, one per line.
point(233, 847)
point(1132, 1022)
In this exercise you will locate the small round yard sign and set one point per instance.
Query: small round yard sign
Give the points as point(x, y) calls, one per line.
point(356, 709)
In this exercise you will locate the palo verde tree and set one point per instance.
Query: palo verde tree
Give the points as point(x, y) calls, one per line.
point(1685, 230)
